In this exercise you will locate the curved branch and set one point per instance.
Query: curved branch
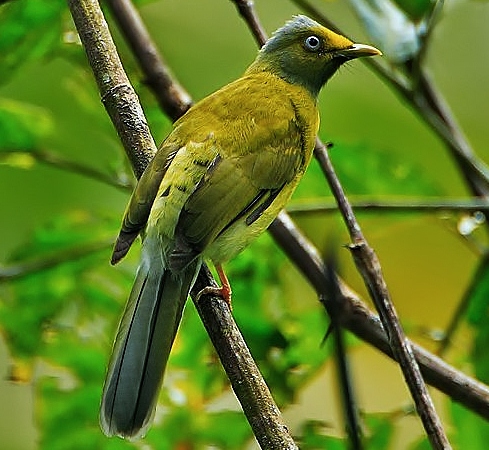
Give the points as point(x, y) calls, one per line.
point(356, 317)
point(118, 96)
point(171, 96)
point(60, 162)
point(403, 204)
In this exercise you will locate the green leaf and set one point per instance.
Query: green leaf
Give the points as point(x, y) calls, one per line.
point(22, 126)
point(313, 436)
point(30, 29)
point(380, 430)
point(58, 316)
point(197, 427)
point(76, 408)
point(284, 339)
point(36, 306)
point(388, 174)
point(470, 431)
point(477, 317)
point(477, 313)
point(416, 9)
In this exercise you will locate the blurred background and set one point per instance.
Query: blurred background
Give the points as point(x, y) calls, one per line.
point(64, 183)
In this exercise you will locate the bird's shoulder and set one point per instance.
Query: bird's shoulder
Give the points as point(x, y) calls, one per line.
point(254, 107)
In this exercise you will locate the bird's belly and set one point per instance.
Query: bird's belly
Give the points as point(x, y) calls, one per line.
point(239, 235)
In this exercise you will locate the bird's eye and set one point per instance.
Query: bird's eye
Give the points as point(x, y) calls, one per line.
point(312, 43)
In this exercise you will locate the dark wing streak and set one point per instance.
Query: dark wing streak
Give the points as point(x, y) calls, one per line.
point(262, 207)
point(210, 168)
point(260, 204)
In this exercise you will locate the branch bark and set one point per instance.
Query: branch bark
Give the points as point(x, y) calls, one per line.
point(171, 96)
point(369, 267)
point(357, 318)
point(118, 96)
point(401, 204)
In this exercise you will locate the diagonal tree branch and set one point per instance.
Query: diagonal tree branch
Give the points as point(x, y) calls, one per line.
point(118, 96)
point(9, 272)
point(369, 267)
point(57, 160)
point(171, 96)
point(356, 317)
point(333, 303)
point(464, 304)
point(246, 9)
point(401, 204)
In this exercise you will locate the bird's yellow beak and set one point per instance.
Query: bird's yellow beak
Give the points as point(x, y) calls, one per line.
point(359, 50)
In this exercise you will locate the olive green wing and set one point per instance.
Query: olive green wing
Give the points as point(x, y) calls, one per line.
point(239, 186)
point(139, 206)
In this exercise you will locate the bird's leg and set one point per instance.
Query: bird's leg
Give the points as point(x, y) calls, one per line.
point(224, 291)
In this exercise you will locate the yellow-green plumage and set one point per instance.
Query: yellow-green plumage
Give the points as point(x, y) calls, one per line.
point(218, 180)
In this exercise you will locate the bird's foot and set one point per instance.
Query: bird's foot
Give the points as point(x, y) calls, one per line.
point(223, 292)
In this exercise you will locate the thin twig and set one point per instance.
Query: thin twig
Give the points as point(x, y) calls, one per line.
point(332, 302)
point(429, 23)
point(459, 315)
point(14, 271)
point(60, 162)
point(356, 317)
point(171, 96)
point(246, 9)
point(369, 267)
point(250, 388)
point(403, 204)
point(430, 104)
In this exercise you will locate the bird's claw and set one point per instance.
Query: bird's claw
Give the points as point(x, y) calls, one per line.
point(224, 292)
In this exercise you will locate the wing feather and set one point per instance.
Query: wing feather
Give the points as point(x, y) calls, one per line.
point(139, 206)
point(241, 186)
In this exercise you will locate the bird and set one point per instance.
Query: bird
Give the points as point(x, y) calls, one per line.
point(221, 176)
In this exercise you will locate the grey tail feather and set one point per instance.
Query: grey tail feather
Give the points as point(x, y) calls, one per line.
point(142, 346)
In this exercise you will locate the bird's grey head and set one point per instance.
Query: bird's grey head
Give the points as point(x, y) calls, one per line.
point(306, 53)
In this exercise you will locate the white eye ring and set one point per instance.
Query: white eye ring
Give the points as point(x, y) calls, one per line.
point(312, 43)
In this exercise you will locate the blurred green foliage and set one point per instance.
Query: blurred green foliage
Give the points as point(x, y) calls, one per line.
point(416, 9)
point(60, 300)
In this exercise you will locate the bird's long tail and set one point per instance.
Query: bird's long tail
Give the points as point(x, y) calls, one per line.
point(142, 345)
